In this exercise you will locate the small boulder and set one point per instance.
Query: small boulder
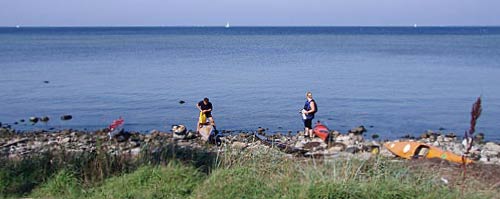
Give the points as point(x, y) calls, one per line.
point(432, 138)
point(277, 135)
point(154, 133)
point(45, 119)
point(66, 140)
point(334, 133)
point(356, 138)
point(451, 135)
point(34, 119)
point(440, 138)
point(242, 135)
point(261, 130)
point(312, 145)
point(491, 146)
point(424, 135)
point(135, 151)
point(299, 144)
point(4, 131)
point(448, 139)
point(190, 135)
point(345, 139)
point(408, 136)
point(479, 138)
point(337, 147)
point(66, 117)
point(358, 130)
point(133, 144)
point(179, 131)
point(352, 149)
point(238, 145)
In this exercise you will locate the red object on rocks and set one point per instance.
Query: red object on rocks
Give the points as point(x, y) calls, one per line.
point(116, 123)
point(321, 131)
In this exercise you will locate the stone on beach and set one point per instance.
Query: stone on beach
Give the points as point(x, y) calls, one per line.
point(352, 149)
point(358, 130)
point(342, 146)
point(44, 119)
point(491, 150)
point(34, 119)
point(479, 137)
point(179, 131)
point(239, 145)
point(337, 147)
point(66, 117)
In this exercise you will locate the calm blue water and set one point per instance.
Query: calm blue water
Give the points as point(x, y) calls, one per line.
point(398, 80)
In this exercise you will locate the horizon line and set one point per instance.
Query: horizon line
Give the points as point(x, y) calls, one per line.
point(237, 26)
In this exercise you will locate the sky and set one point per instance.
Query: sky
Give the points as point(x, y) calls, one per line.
point(249, 12)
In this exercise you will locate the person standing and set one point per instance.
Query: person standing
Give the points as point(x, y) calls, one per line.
point(205, 108)
point(310, 108)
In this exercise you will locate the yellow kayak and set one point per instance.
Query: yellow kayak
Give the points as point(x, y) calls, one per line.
point(412, 150)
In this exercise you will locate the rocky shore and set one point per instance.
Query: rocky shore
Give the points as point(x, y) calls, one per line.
point(14, 145)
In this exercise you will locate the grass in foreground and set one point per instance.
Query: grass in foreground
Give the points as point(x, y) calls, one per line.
point(265, 176)
point(256, 173)
point(171, 181)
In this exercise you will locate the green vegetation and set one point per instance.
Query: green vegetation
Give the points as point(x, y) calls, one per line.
point(62, 184)
point(174, 172)
point(269, 176)
point(171, 181)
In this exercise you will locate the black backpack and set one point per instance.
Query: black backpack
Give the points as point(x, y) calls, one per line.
point(315, 106)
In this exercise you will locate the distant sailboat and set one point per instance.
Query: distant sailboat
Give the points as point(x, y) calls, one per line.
point(415, 25)
point(227, 25)
point(18, 26)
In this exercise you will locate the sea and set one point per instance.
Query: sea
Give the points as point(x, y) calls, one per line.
point(395, 81)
